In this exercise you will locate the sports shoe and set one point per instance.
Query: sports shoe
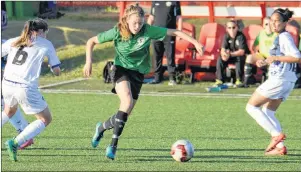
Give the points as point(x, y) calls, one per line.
point(276, 151)
point(110, 152)
point(12, 147)
point(172, 83)
point(96, 138)
point(239, 84)
point(275, 140)
point(26, 144)
point(218, 83)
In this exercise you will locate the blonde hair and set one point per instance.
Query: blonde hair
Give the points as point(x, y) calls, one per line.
point(29, 27)
point(123, 26)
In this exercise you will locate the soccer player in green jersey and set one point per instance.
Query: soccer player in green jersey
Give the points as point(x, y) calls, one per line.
point(132, 38)
point(261, 48)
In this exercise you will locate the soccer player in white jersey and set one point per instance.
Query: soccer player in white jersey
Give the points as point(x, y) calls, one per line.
point(17, 121)
point(20, 81)
point(282, 62)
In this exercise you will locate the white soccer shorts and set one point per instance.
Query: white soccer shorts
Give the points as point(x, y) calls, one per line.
point(276, 89)
point(30, 99)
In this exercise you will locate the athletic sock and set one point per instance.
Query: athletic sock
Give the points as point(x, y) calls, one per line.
point(120, 120)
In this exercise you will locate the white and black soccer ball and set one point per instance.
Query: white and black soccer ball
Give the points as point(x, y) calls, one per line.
point(182, 151)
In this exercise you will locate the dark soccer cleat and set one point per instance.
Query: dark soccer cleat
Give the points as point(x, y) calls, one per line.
point(12, 148)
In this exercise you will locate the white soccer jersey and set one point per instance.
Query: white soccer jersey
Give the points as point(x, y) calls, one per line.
point(24, 65)
point(284, 46)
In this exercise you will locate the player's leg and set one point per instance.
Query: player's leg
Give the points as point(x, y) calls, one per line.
point(10, 110)
point(239, 70)
point(170, 44)
point(269, 91)
point(249, 69)
point(123, 89)
point(158, 50)
point(19, 122)
point(254, 110)
point(220, 71)
point(32, 102)
point(269, 109)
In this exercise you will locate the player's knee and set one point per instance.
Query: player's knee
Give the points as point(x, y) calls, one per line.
point(127, 103)
point(250, 108)
point(10, 112)
point(45, 117)
point(46, 120)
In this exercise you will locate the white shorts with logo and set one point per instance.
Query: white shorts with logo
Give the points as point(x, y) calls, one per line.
point(276, 89)
point(30, 99)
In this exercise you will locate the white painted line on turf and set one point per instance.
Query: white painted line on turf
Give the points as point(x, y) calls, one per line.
point(62, 83)
point(168, 94)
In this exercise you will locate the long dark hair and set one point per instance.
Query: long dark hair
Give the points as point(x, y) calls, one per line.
point(30, 26)
point(285, 14)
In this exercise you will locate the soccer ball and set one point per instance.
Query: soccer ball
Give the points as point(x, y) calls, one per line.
point(182, 151)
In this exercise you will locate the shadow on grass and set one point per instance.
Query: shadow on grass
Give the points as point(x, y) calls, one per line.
point(70, 64)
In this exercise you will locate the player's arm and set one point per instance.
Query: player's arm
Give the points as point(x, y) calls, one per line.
point(100, 38)
point(292, 54)
point(53, 61)
point(174, 32)
point(89, 48)
point(151, 18)
point(255, 46)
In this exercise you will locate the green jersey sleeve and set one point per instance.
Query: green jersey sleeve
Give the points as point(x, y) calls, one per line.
point(155, 32)
point(107, 36)
point(256, 42)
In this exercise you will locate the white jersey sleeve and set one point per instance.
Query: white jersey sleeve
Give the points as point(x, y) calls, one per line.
point(6, 46)
point(284, 46)
point(53, 60)
point(288, 46)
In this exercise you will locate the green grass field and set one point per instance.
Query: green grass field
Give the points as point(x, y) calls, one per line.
point(224, 136)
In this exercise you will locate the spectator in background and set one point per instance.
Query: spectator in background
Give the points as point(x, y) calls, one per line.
point(234, 50)
point(49, 10)
point(165, 14)
point(261, 48)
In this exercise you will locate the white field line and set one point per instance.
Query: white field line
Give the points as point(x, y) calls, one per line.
point(63, 83)
point(168, 94)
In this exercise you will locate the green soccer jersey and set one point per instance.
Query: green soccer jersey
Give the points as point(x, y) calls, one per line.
point(134, 53)
point(265, 42)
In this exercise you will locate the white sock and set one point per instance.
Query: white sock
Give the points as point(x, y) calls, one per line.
point(4, 118)
point(262, 120)
point(33, 129)
point(271, 115)
point(18, 121)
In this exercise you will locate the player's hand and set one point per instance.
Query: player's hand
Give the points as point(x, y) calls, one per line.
point(200, 48)
point(271, 59)
point(87, 69)
point(261, 63)
point(226, 55)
